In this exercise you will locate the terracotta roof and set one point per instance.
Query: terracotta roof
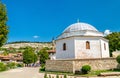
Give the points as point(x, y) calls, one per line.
point(17, 56)
point(51, 51)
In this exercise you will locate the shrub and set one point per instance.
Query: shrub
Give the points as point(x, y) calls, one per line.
point(65, 76)
point(45, 75)
point(3, 67)
point(20, 65)
point(118, 59)
point(42, 67)
point(11, 65)
point(57, 76)
point(85, 69)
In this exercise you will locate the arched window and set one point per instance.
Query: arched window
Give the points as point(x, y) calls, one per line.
point(64, 46)
point(104, 46)
point(87, 45)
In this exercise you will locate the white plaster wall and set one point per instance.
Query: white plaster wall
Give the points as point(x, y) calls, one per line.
point(52, 56)
point(105, 53)
point(94, 33)
point(82, 52)
point(79, 33)
point(69, 52)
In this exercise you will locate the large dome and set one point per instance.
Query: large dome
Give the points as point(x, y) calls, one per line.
point(79, 27)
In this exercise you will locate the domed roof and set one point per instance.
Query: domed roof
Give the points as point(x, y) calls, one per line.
point(79, 27)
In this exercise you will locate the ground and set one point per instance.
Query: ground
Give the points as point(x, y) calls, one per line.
point(25, 72)
point(32, 72)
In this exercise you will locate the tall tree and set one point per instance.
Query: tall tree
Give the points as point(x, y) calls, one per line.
point(114, 41)
point(29, 56)
point(3, 25)
point(43, 55)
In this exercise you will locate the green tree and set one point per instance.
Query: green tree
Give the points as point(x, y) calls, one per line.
point(3, 25)
point(43, 55)
point(118, 59)
point(114, 41)
point(35, 57)
point(29, 56)
point(5, 53)
point(3, 67)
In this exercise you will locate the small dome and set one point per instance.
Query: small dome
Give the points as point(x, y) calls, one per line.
point(79, 27)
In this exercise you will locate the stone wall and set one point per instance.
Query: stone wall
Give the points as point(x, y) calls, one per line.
point(59, 65)
point(96, 64)
point(76, 64)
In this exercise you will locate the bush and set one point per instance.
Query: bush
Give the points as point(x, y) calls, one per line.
point(65, 76)
point(3, 67)
point(118, 59)
point(42, 67)
point(85, 69)
point(57, 76)
point(20, 65)
point(45, 75)
point(11, 65)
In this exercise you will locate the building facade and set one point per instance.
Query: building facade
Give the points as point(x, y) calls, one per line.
point(81, 41)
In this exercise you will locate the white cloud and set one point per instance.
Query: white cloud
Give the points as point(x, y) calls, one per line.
point(35, 36)
point(107, 32)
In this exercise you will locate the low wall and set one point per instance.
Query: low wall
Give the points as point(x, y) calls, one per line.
point(75, 64)
point(96, 64)
point(59, 65)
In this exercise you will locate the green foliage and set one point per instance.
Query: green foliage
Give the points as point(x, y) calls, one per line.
point(43, 54)
point(3, 67)
point(20, 65)
point(29, 56)
point(28, 42)
point(85, 69)
point(42, 67)
point(3, 25)
point(5, 53)
point(57, 76)
point(11, 65)
point(35, 58)
point(45, 75)
point(118, 59)
point(47, 48)
point(114, 41)
point(65, 76)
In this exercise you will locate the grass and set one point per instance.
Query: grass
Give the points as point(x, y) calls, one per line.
point(91, 73)
point(97, 72)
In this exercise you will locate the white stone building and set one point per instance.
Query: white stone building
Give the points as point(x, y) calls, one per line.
point(81, 41)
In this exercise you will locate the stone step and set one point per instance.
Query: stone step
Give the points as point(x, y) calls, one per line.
point(110, 74)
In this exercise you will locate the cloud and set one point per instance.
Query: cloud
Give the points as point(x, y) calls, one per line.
point(107, 32)
point(35, 36)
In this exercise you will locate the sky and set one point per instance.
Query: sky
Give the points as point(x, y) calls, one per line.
point(41, 20)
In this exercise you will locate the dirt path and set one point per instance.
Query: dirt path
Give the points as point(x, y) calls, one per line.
point(26, 72)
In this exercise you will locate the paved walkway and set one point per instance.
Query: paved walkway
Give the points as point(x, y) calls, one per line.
point(26, 72)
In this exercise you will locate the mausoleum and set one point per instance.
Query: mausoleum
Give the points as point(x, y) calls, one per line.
point(80, 44)
point(81, 41)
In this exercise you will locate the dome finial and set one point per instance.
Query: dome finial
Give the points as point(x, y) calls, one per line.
point(78, 20)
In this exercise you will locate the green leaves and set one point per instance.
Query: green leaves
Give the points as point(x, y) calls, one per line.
point(29, 56)
point(43, 54)
point(3, 25)
point(114, 41)
point(118, 59)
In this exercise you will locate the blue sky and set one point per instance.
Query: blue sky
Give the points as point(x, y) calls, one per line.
point(41, 20)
